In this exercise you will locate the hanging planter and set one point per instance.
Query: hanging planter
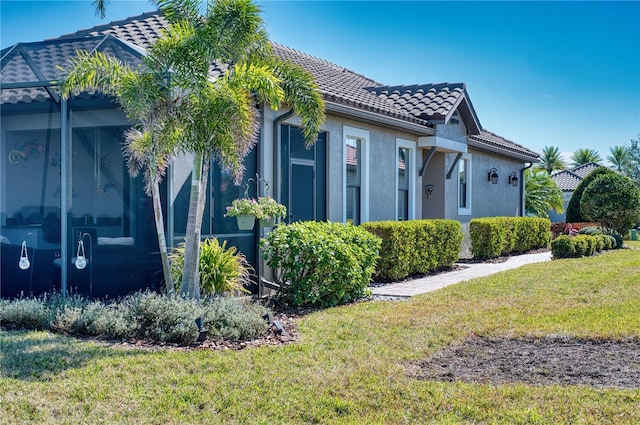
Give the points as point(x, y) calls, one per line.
point(268, 221)
point(245, 221)
point(245, 210)
point(270, 210)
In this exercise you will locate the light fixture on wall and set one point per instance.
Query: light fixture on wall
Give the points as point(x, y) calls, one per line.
point(428, 190)
point(81, 259)
point(493, 175)
point(513, 179)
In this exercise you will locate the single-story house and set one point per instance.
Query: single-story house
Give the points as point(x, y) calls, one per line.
point(568, 181)
point(384, 153)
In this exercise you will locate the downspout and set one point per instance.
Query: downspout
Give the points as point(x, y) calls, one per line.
point(522, 212)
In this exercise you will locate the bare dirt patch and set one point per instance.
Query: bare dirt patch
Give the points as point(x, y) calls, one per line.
point(551, 360)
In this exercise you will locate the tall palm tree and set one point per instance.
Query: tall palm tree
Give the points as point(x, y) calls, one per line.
point(219, 118)
point(541, 194)
point(551, 160)
point(584, 156)
point(145, 99)
point(619, 157)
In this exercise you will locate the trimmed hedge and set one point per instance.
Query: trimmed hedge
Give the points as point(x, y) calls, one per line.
point(321, 263)
point(495, 236)
point(415, 246)
point(565, 246)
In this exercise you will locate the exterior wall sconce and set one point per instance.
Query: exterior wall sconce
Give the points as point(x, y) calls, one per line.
point(513, 179)
point(81, 260)
point(428, 190)
point(493, 176)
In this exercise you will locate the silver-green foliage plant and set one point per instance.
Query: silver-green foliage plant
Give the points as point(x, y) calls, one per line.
point(147, 315)
point(321, 263)
point(221, 269)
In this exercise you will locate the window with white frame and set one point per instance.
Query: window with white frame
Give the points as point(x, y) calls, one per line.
point(405, 183)
point(464, 185)
point(356, 189)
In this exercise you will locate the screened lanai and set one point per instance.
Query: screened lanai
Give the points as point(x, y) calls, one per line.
point(66, 192)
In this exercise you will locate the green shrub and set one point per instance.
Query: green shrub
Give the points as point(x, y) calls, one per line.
point(494, 236)
point(25, 313)
point(590, 230)
point(613, 201)
point(601, 243)
point(573, 213)
point(415, 246)
point(321, 263)
point(232, 319)
point(142, 315)
point(563, 247)
point(163, 317)
point(581, 243)
point(221, 269)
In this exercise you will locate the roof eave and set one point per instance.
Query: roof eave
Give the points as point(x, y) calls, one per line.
point(506, 152)
point(377, 118)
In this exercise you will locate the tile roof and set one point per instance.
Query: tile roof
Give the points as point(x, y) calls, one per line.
point(493, 142)
point(423, 104)
point(585, 169)
point(435, 103)
point(566, 180)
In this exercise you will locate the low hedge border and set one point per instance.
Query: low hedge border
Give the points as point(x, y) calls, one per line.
point(415, 246)
point(581, 245)
point(495, 236)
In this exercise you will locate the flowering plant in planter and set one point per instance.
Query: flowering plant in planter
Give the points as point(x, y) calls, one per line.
point(270, 208)
point(244, 206)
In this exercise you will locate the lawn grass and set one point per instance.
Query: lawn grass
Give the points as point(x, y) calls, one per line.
point(350, 363)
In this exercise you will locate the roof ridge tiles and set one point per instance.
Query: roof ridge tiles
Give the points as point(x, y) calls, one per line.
point(107, 26)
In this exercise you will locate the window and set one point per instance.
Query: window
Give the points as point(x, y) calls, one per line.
point(464, 185)
point(404, 181)
point(356, 193)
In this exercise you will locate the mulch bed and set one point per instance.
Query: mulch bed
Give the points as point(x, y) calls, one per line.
point(550, 360)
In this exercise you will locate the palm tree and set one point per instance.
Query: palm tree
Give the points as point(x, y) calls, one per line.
point(551, 160)
point(147, 102)
point(619, 157)
point(219, 118)
point(584, 156)
point(541, 194)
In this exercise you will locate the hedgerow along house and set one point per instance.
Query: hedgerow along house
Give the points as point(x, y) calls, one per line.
point(384, 153)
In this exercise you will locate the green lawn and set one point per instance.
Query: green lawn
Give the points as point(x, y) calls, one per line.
point(350, 363)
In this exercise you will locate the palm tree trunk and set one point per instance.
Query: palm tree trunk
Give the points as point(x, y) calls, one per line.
point(190, 286)
point(162, 242)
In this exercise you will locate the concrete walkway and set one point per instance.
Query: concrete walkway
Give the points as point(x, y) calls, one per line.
point(470, 271)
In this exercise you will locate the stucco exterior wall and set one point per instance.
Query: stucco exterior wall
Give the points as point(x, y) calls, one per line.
point(457, 132)
point(489, 200)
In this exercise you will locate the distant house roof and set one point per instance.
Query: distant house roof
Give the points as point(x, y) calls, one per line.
point(419, 107)
point(585, 169)
point(568, 180)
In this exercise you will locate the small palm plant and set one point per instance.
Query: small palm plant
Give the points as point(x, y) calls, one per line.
point(221, 269)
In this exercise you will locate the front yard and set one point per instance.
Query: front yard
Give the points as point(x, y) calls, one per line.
point(362, 363)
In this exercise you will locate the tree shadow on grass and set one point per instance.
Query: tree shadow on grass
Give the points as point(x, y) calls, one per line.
point(40, 356)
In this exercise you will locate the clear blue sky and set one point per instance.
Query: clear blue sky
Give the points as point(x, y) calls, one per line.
point(563, 74)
